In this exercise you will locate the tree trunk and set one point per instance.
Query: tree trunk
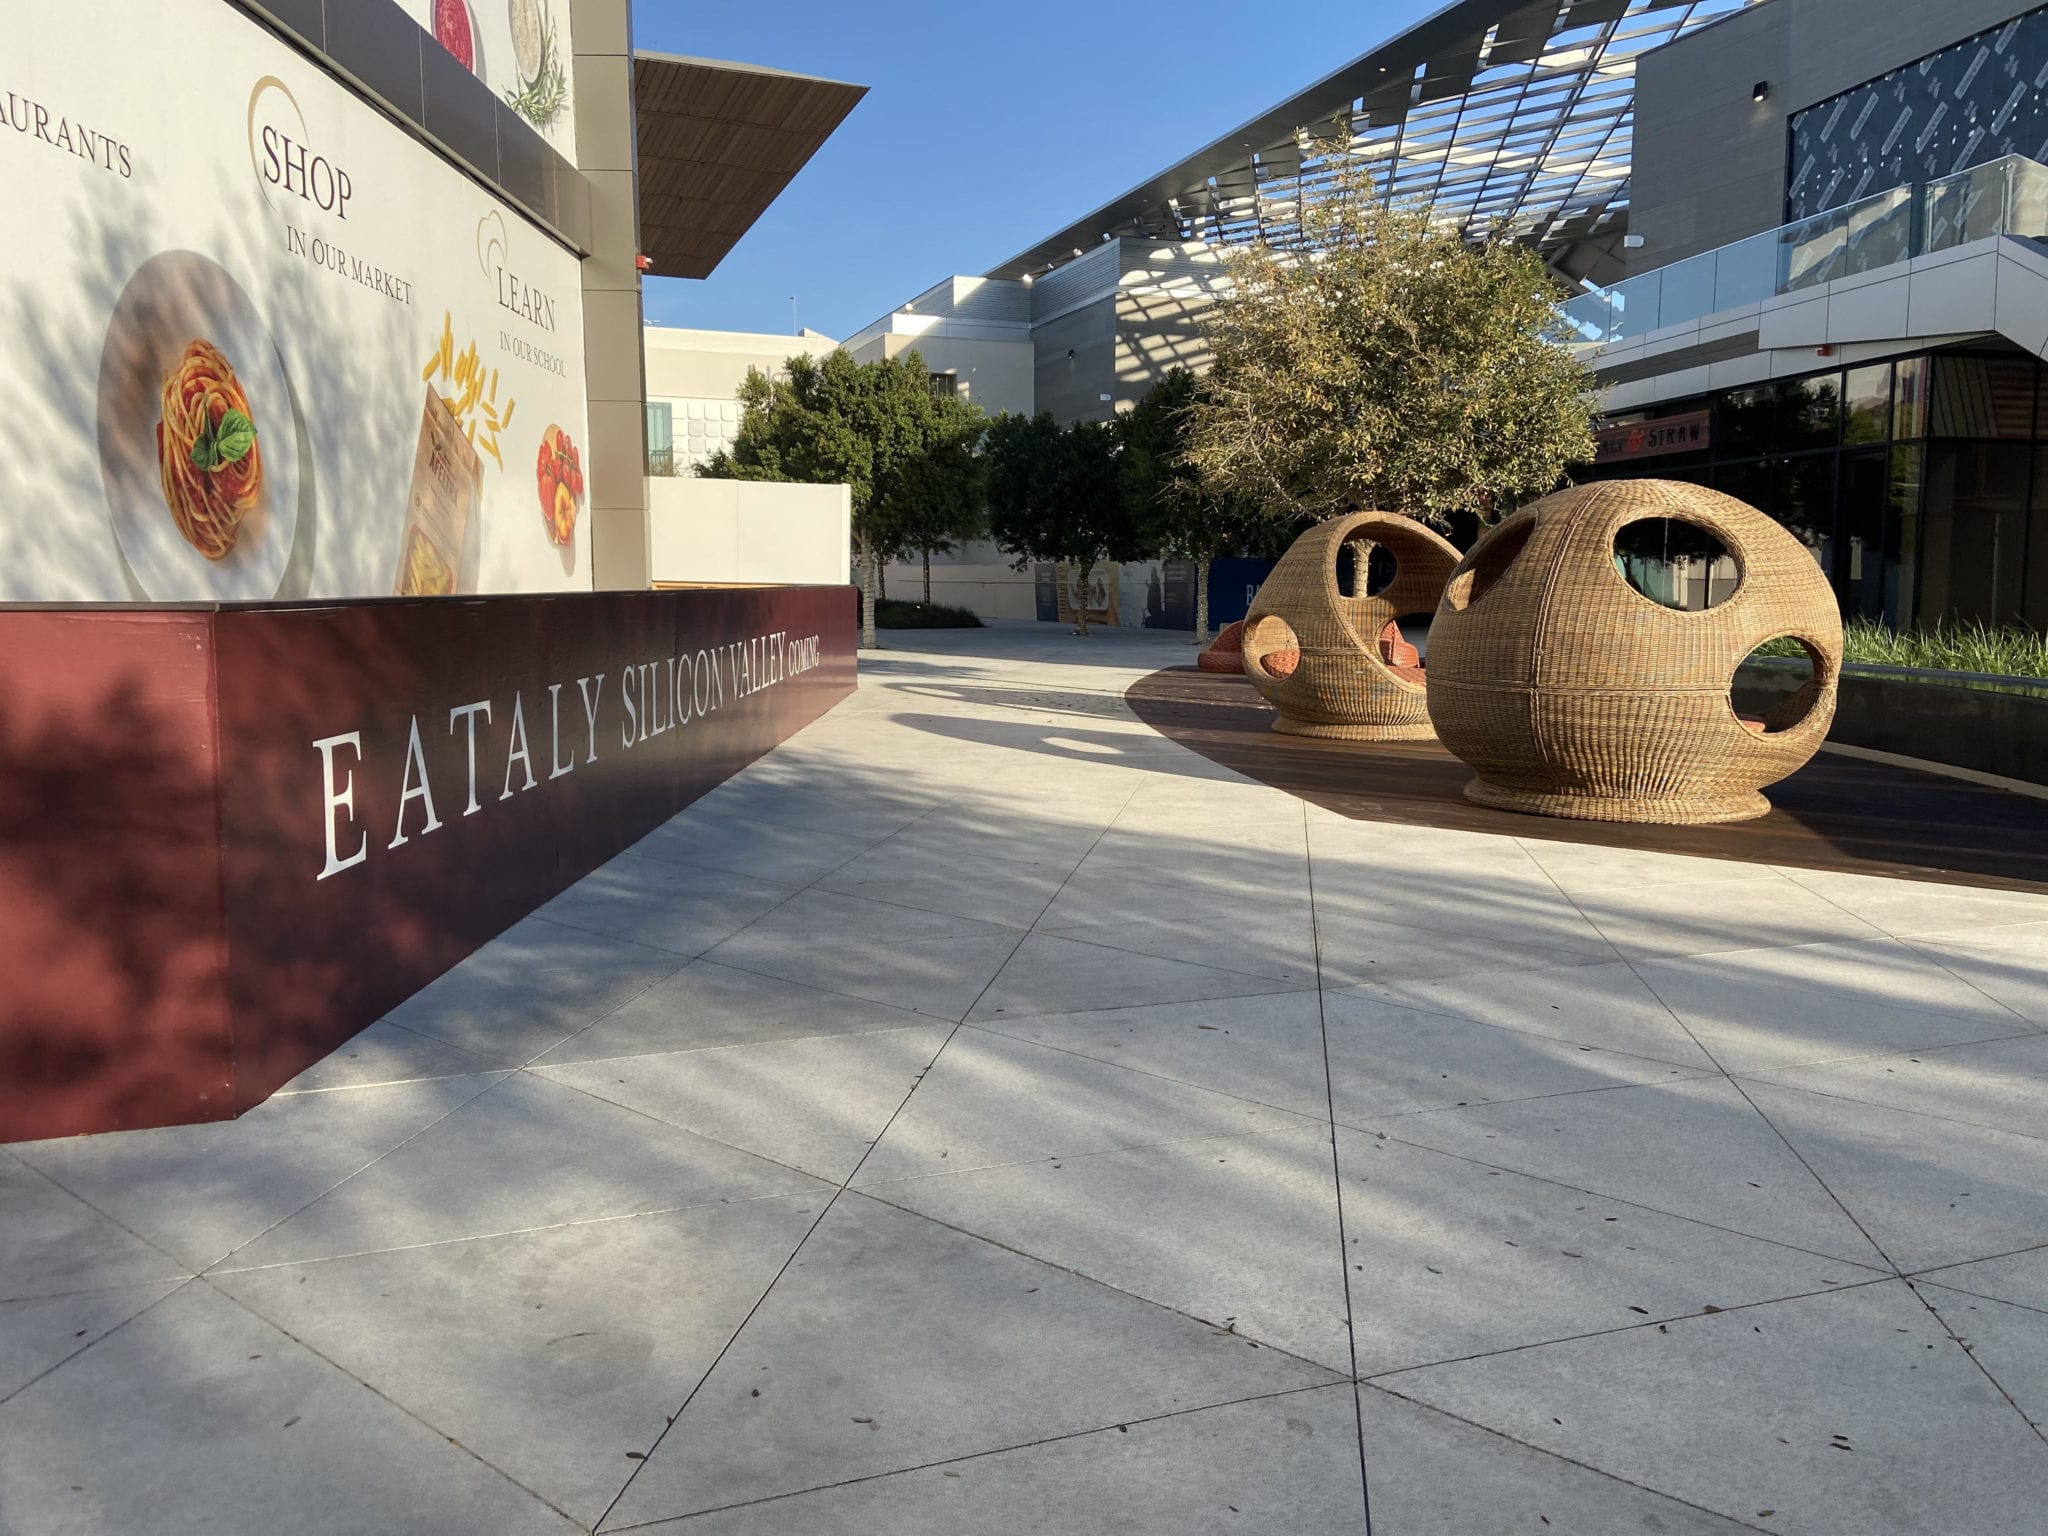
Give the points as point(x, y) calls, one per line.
point(1202, 601)
point(1081, 592)
point(869, 576)
point(927, 578)
point(881, 579)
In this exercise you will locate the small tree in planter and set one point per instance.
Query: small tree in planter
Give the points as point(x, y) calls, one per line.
point(1387, 362)
point(1054, 494)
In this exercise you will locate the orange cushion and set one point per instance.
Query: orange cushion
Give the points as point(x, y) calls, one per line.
point(1281, 663)
point(1395, 651)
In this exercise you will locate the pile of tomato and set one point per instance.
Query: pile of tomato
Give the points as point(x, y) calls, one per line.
point(559, 473)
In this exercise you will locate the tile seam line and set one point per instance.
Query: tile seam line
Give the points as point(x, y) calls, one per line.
point(831, 1201)
point(1932, 938)
point(1638, 1325)
point(223, 1270)
point(1637, 1205)
point(539, 1064)
point(1043, 1159)
point(1336, 1172)
point(1585, 1466)
point(1932, 1270)
point(1895, 1109)
point(176, 1286)
point(967, 1456)
point(183, 1270)
point(1337, 1377)
point(1278, 983)
point(434, 1429)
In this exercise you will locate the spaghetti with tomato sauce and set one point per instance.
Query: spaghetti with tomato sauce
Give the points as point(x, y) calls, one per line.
point(209, 504)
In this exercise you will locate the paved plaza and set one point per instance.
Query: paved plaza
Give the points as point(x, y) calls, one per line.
point(984, 1115)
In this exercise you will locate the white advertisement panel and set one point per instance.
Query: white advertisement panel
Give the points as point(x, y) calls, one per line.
point(520, 49)
point(266, 344)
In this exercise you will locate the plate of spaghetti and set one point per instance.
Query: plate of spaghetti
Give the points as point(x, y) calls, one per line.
point(197, 435)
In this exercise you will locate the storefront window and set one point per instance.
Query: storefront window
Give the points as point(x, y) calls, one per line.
point(1807, 413)
point(1866, 404)
point(1983, 397)
point(1973, 548)
point(1744, 421)
point(1909, 398)
point(1902, 534)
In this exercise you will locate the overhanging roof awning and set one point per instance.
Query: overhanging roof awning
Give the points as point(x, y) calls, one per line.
point(718, 142)
point(1515, 112)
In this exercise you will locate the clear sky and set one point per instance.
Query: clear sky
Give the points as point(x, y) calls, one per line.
point(985, 128)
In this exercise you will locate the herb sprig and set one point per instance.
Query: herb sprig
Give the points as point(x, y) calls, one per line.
point(227, 441)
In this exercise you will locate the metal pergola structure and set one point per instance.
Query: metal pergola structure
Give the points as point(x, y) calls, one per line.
point(1496, 113)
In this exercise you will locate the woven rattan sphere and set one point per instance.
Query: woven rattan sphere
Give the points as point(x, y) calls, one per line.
point(1570, 693)
point(1339, 684)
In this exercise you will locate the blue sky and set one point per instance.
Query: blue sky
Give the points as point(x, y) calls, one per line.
point(986, 128)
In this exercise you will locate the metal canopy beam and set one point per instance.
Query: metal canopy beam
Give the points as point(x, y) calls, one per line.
point(1514, 113)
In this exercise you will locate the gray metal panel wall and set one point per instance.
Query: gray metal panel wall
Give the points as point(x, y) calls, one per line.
point(1080, 281)
point(1072, 387)
point(1709, 161)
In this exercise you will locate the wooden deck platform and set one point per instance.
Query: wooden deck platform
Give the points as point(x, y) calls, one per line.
point(1837, 813)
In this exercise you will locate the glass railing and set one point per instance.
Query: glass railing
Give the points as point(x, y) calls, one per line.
point(2001, 197)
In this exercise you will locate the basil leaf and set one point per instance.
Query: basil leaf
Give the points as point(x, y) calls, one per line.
point(234, 437)
point(206, 448)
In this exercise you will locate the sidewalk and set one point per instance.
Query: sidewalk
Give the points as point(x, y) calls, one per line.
point(985, 1116)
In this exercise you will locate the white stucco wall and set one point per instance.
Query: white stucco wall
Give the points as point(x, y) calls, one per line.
point(749, 532)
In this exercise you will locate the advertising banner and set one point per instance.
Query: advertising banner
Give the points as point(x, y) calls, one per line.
point(232, 837)
point(262, 343)
point(520, 49)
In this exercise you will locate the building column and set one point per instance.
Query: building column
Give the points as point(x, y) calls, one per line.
point(601, 35)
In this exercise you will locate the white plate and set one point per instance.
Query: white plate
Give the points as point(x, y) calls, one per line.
point(174, 298)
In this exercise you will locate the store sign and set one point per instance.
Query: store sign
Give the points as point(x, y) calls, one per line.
point(231, 838)
point(266, 343)
point(1653, 439)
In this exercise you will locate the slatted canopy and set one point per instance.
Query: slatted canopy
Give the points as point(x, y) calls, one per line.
point(1494, 112)
point(718, 142)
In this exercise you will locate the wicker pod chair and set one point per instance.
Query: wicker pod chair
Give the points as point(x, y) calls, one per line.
point(1570, 693)
point(1226, 652)
point(1334, 665)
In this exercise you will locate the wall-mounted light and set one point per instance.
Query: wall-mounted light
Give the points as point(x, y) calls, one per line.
point(1760, 91)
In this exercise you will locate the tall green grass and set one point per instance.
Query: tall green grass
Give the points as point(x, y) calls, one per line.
point(1944, 648)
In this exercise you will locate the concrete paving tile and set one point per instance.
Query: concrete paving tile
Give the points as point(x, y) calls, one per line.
point(1750, 1025)
point(1277, 1466)
point(1049, 973)
point(43, 1331)
point(530, 988)
point(1885, 972)
point(2009, 1343)
point(785, 855)
point(200, 1192)
point(817, 1105)
point(1450, 1259)
point(1694, 1148)
point(1240, 1232)
point(1358, 950)
point(1905, 908)
point(198, 1419)
point(52, 1242)
point(531, 1153)
point(548, 1354)
point(2001, 1084)
point(1522, 907)
point(1590, 867)
point(1607, 1006)
point(1388, 1059)
point(1103, 892)
point(385, 1053)
point(1433, 1475)
point(1275, 943)
point(892, 1342)
point(1704, 917)
point(1268, 1047)
point(991, 1100)
point(1843, 1414)
point(664, 906)
point(705, 1006)
point(1928, 1191)
point(989, 889)
point(2009, 965)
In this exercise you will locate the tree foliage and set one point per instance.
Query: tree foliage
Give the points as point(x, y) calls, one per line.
point(1387, 362)
point(907, 458)
point(1055, 493)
